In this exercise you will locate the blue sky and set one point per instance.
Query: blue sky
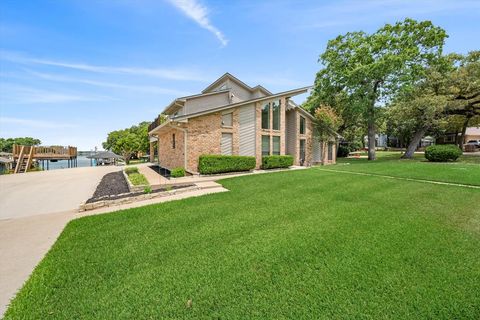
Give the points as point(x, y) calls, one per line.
point(71, 71)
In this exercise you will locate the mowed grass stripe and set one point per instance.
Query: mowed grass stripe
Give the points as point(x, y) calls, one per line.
point(304, 244)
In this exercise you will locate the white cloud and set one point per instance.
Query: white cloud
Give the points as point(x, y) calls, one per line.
point(171, 74)
point(11, 94)
point(36, 123)
point(199, 13)
point(146, 89)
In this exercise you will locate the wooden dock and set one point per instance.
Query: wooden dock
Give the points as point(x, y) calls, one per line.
point(25, 155)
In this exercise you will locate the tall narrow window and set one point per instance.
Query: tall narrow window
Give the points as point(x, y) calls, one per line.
point(276, 145)
point(330, 151)
point(302, 125)
point(302, 151)
point(265, 145)
point(173, 141)
point(266, 116)
point(276, 115)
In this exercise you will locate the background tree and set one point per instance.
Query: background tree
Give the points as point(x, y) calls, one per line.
point(6, 145)
point(326, 124)
point(363, 71)
point(123, 142)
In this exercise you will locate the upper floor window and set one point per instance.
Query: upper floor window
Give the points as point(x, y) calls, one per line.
point(276, 115)
point(302, 125)
point(173, 141)
point(227, 119)
point(266, 116)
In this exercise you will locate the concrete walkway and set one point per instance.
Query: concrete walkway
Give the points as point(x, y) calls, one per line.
point(25, 240)
point(34, 193)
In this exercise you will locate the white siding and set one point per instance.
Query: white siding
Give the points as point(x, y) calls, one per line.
point(291, 133)
point(247, 130)
point(226, 145)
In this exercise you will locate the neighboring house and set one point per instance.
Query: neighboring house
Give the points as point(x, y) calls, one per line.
point(6, 162)
point(231, 118)
point(472, 133)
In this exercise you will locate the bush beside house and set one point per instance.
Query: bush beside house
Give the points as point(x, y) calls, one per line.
point(210, 164)
point(442, 153)
point(177, 173)
point(271, 162)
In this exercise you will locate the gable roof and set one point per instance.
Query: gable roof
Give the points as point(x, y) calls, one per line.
point(228, 76)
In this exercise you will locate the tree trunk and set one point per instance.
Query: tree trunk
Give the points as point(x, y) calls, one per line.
point(371, 140)
point(412, 146)
point(464, 130)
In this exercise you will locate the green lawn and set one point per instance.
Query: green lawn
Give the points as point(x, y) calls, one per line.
point(306, 244)
point(465, 171)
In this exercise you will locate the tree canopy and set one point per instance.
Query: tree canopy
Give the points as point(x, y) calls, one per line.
point(127, 142)
point(6, 145)
point(361, 72)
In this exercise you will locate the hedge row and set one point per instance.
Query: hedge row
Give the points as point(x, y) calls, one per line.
point(442, 153)
point(210, 164)
point(270, 162)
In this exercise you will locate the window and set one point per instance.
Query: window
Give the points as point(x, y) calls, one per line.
point(330, 151)
point(265, 145)
point(173, 141)
point(302, 151)
point(227, 119)
point(302, 125)
point(276, 145)
point(266, 116)
point(276, 115)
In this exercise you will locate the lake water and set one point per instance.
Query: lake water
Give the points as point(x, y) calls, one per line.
point(82, 161)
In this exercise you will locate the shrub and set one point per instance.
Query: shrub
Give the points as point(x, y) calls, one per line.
point(147, 190)
point(343, 151)
point(177, 173)
point(137, 179)
point(270, 162)
point(442, 153)
point(209, 164)
point(130, 170)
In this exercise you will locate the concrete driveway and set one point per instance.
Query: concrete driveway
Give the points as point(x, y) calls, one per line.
point(34, 209)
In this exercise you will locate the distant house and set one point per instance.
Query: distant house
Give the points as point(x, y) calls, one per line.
point(472, 133)
point(231, 118)
point(6, 162)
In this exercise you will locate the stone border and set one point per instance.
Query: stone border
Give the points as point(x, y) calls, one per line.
point(109, 203)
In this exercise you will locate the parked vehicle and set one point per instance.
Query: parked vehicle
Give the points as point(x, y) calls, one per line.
point(475, 143)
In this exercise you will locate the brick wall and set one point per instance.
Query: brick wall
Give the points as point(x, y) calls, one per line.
point(168, 156)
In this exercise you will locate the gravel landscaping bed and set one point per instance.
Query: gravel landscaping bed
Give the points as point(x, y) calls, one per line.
point(113, 183)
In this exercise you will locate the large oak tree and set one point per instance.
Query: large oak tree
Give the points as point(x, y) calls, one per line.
point(361, 72)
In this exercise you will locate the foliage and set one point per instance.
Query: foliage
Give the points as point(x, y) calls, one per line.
point(128, 142)
point(147, 190)
point(137, 179)
point(342, 151)
point(210, 164)
point(177, 172)
point(288, 245)
point(363, 71)
point(277, 161)
point(6, 145)
point(442, 153)
point(130, 170)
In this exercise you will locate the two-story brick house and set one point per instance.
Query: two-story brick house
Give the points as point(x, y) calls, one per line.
point(231, 118)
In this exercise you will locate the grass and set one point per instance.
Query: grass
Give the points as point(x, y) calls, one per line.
point(137, 179)
point(464, 171)
point(306, 244)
